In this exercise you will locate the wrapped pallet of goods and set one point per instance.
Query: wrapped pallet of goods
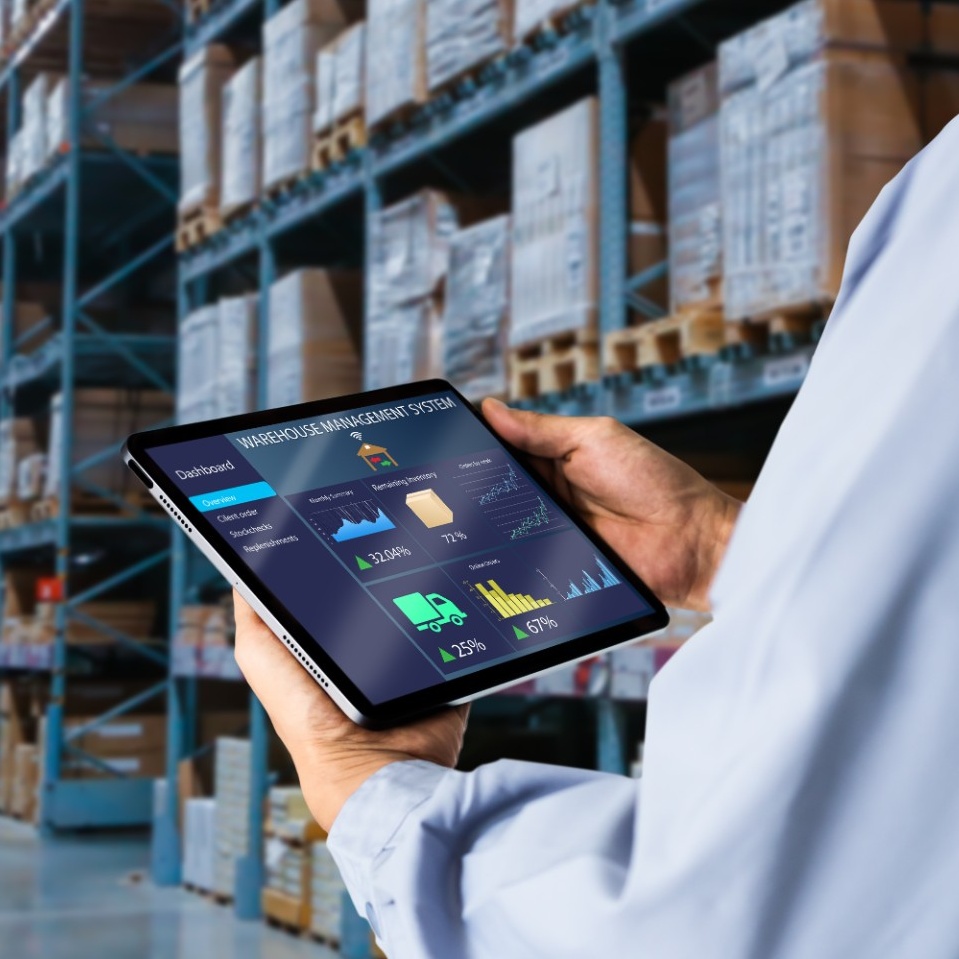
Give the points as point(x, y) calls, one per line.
point(339, 126)
point(218, 337)
point(311, 350)
point(232, 794)
point(292, 39)
point(199, 844)
point(20, 587)
point(142, 118)
point(395, 59)
point(20, 439)
point(13, 180)
point(555, 252)
point(202, 78)
point(101, 418)
point(808, 141)
point(477, 309)
point(241, 177)
point(17, 728)
point(462, 36)
point(408, 263)
point(34, 153)
point(327, 890)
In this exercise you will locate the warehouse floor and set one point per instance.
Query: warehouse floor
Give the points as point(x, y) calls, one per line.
point(85, 898)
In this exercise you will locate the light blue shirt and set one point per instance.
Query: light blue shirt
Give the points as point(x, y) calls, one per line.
point(800, 797)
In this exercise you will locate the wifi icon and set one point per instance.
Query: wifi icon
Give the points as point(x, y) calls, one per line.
point(357, 436)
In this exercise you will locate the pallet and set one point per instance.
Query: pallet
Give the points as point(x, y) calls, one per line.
point(276, 191)
point(554, 365)
point(240, 211)
point(335, 144)
point(664, 342)
point(463, 85)
point(775, 333)
point(398, 119)
point(197, 226)
point(331, 942)
point(290, 928)
point(559, 23)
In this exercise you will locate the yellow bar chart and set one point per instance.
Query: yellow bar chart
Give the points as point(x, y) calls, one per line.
point(509, 604)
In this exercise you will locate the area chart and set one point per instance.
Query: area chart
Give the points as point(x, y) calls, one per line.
point(351, 521)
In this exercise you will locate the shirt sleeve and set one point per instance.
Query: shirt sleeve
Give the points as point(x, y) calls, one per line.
point(501, 861)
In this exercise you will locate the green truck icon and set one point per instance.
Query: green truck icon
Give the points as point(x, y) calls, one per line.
point(431, 611)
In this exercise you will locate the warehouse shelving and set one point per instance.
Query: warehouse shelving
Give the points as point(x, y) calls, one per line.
point(597, 56)
point(79, 217)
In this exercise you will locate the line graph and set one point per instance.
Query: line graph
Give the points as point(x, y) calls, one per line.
point(503, 487)
point(351, 521)
point(590, 584)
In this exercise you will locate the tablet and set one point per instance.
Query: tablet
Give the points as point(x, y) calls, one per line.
point(405, 555)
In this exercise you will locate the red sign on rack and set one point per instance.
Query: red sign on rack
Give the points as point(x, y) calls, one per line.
point(50, 589)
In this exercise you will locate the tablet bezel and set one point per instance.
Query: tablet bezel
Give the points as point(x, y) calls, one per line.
point(444, 692)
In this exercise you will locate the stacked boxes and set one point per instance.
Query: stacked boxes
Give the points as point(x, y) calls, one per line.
point(17, 727)
point(326, 894)
point(232, 793)
point(555, 241)
point(408, 262)
point(292, 39)
point(695, 217)
point(142, 118)
point(462, 35)
point(242, 141)
point(101, 418)
point(310, 350)
point(340, 78)
point(199, 843)
point(221, 338)
point(132, 745)
point(33, 132)
point(395, 62)
point(808, 141)
point(19, 443)
point(20, 585)
point(202, 79)
point(477, 305)
point(24, 797)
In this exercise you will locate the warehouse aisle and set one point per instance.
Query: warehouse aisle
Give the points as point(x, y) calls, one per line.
point(75, 898)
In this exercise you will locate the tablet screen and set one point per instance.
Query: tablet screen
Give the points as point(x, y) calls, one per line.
point(409, 544)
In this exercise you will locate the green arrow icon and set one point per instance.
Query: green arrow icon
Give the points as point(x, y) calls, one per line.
point(519, 633)
point(446, 656)
point(362, 563)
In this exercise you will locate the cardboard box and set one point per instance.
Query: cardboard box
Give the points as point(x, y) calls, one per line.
point(803, 159)
point(101, 418)
point(24, 800)
point(311, 351)
point(477, 307)
point(31, 477)
point(695, 213)
point(326, 893)
point(292, 38)
point(340, 78)
point(199, 843)
point(462, 35)
point(17, 727)
point(429, 508)
point(404, 343)
point(395, 58)
point(19, 439)
point(555, 249)
point(142, 118)
point(242, 176)
point(135, 618)
point(202, 79)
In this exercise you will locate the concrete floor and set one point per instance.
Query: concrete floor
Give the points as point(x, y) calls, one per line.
point(77, 898)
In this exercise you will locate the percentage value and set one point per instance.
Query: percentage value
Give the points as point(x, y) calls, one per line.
point(385, 555)
point(540, 624)
point(456, 537)
point(469, 647)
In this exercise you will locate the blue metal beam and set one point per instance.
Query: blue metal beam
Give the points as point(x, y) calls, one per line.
point(116, 345)
point(121, 709)
point(135, 76)
point(137, 166)
point(117, 579)
point(128, 642)
point(125, 271)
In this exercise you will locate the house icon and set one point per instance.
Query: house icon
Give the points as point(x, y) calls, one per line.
point(376, 457)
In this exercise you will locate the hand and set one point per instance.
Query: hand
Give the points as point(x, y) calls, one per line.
point(333, 756)
point(658, 514)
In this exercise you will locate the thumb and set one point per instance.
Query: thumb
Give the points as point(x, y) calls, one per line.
point(539, 434)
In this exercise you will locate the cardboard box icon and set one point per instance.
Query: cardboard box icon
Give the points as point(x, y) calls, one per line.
point(430, 509)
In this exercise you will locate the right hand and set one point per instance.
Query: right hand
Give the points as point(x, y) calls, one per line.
point(659, 515)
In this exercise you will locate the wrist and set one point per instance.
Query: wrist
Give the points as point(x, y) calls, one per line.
point(724, 513)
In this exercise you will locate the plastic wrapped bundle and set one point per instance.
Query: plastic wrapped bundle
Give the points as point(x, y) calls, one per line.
point(477, 302)
point(197, 341)
point(34, 129)
point(292, 39)
point(241, 139)
point(235, 380)
point(403, 343)
point(202, 78)
point(396, 71)
point(462, 35)
point(311, 353)
point(695, 214)
point(340, 70)
point(555, 239)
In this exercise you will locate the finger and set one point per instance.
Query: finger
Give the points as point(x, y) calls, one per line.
point(540, 434)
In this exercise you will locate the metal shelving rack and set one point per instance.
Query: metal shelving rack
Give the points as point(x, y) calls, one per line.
point(74, 200)
point(598, 56)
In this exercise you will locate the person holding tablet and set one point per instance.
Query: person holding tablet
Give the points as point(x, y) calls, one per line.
point(800, 786)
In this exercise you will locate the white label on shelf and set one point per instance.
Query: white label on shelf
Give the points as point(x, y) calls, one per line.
point(786, 370)
point(662, 399)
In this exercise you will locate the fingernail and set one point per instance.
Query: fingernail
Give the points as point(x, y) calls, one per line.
point(493, 401)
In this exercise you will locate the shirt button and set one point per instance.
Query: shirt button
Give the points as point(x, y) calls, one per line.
point(371, 919)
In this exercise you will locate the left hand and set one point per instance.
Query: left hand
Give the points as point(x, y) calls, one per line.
point(333, 756)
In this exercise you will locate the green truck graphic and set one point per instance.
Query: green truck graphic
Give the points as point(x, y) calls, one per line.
point(431, 611)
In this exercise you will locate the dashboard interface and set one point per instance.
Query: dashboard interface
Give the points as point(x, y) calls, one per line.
point(410, 545)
